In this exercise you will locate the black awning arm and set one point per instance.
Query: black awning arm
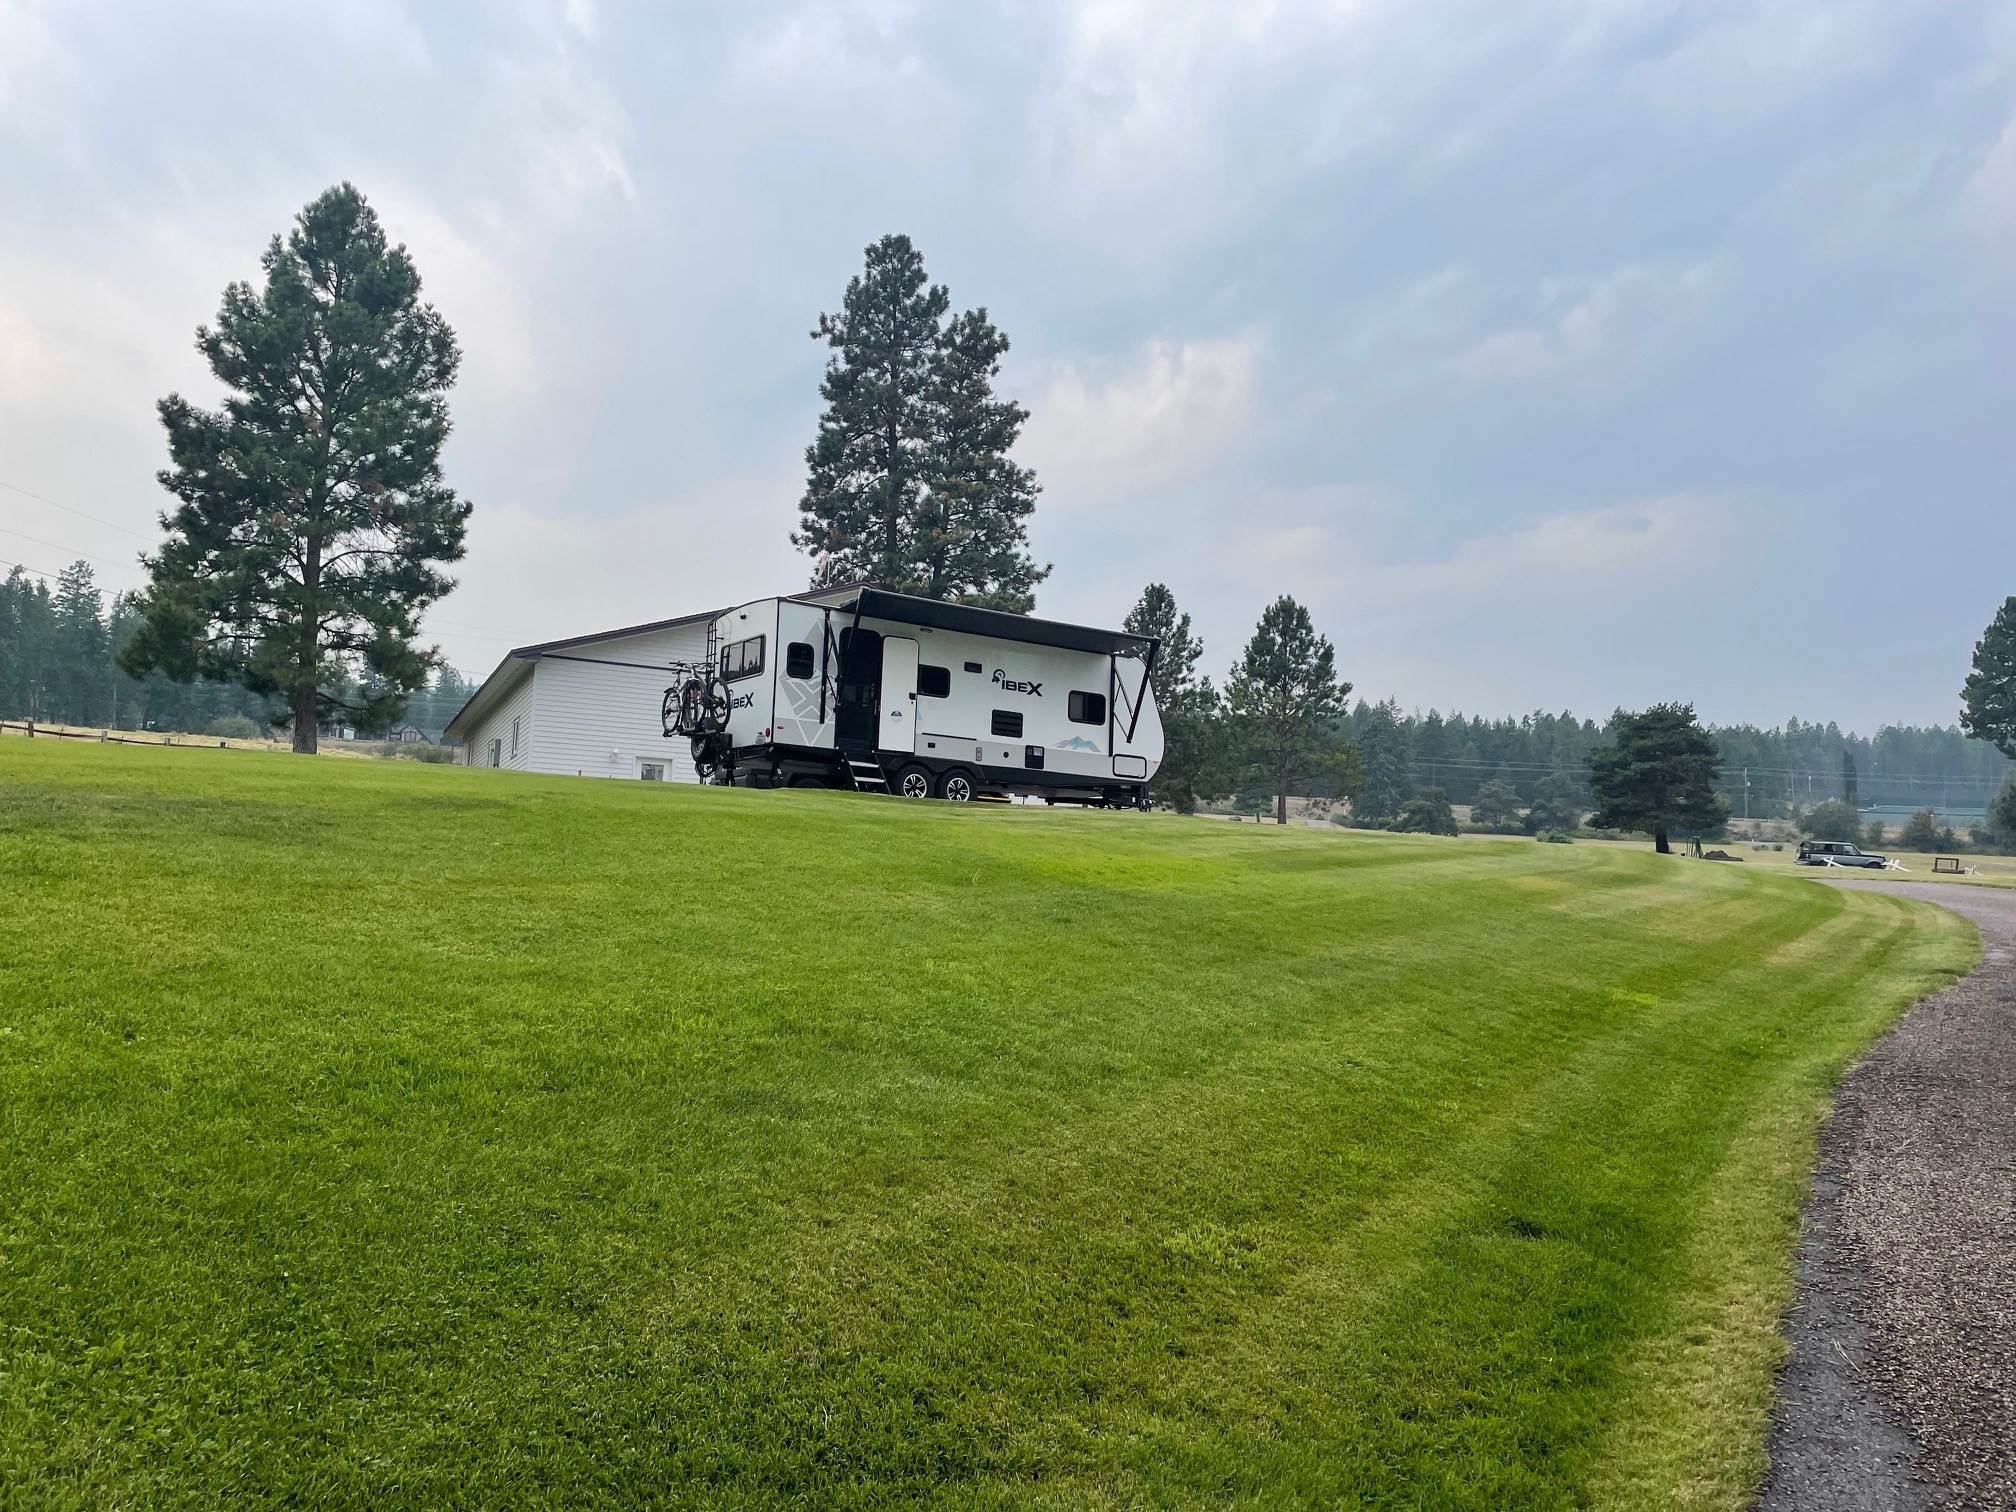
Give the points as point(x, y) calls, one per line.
point(1147, 671)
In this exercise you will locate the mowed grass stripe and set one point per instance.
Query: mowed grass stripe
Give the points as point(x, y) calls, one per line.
point(393, 1135)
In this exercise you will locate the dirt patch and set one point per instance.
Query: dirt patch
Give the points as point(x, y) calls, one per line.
point(1900, 1389)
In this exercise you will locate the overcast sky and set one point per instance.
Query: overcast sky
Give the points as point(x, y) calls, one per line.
point(1556, 354)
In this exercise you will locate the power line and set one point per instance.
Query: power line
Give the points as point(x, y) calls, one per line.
point(51, 576)
point(58, 546)
point(44, 499)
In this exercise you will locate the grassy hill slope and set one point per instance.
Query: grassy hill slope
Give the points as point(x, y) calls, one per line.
point(387, 1135)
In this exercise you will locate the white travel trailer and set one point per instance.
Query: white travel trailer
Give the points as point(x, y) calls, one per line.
point(888, 693)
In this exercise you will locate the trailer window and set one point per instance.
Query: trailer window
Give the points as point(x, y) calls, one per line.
point(1088, 708)
point(743, 659)
point(934, 682)
point(1008, 723)
point(798, 659)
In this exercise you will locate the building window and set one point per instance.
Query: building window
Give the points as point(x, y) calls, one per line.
point(1088, 708)
point(934, 682)
point(743, 659)
point(652, 771)
point(514, 738)
point(798, 660)
point(1008, 723)
point(497, 752)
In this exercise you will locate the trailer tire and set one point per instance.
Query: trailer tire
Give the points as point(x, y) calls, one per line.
point(913, 781)
point(957, 786)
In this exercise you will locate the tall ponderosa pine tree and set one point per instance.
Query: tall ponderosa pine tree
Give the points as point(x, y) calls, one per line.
point(1285, 700)
point(972, 538)
point(909, 483)
point(313, 512)
point(1988, 699)
point(1190, 768)
point(1658, 773)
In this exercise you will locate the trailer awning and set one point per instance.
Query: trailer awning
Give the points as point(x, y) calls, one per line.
point(879, 603)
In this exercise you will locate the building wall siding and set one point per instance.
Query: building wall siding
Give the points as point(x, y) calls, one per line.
point(601, 720)
point(521, 706)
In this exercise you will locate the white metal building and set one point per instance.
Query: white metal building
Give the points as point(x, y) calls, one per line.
point(585, 707)
point(590, 706)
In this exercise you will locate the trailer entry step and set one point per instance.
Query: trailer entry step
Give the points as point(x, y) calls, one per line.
point(867, 776)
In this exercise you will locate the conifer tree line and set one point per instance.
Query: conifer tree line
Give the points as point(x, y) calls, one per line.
point(1530, 771)
point(59, 665)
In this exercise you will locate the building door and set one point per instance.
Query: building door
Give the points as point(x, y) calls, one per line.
point(899, 694)
point(857, 708)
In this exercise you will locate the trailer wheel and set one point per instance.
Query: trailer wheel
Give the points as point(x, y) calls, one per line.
point(956, 786)
point(913, 782)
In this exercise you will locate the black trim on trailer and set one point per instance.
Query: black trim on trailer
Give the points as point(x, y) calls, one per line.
point(938, 614)
point(795, 759)
point(825, 645)
point(1141, 693)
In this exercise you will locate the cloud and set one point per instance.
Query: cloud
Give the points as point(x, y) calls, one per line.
point(537, 573)
point(1625, 314)
point(463, 276)
point(1172, 408)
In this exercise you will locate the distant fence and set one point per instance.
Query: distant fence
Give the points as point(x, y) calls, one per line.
point(36, 731)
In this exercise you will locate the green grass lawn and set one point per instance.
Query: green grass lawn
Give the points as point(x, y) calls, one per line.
point(384, 1135)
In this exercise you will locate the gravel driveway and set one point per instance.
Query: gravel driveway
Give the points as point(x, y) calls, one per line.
point(1900, 1391)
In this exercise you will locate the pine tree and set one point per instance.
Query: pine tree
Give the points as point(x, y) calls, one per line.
point(312, 513)
point(972, 533)
point(1427, 813)
point(869, 465)
point(1988, 699)
point(27, 640)
point(1192, 767)
point(79, 674)
point(1285, 702)
point(1658, 773)
point(1848, 781)
point(1385, 765)
point(1557, 805)
point(1496, 805)
point(909, 482)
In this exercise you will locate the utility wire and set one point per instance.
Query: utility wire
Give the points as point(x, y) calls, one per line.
point(26, 568)
point(55, 546)
point(44, 499)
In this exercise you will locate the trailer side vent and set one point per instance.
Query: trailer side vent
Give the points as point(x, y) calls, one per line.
point(972, 666)
point(1008, 723)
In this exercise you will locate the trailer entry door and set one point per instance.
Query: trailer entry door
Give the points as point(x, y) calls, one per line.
point(899, 694)
point(857, 710)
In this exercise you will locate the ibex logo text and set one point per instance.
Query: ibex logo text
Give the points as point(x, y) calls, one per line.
point(1008, 685)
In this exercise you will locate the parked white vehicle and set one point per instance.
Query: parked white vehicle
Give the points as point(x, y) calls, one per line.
point(889, 693)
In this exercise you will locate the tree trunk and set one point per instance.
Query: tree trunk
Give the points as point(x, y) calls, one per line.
point(304, 721)
point(1659, 841)
point(1281, 806)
